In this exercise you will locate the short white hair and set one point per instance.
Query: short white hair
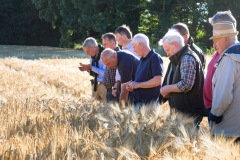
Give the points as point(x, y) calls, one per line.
point(172, 36)
point(141, 38)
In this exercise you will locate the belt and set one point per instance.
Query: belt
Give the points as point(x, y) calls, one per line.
point(99, 82)
point(110, 89)
point(108, 86)
point(118, 82)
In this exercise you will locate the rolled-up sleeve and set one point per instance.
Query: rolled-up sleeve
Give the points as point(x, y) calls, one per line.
point(188, 73)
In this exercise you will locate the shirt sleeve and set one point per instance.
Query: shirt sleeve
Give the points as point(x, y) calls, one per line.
point(99, 70)
point(188, 73)
point(157, 66)
point(117, 77)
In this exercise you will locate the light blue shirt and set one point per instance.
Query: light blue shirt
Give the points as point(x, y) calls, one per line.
point(99, 70)
point(130, 48)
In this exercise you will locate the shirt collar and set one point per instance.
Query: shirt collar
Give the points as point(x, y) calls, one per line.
point(128, 46)
point(148, 55)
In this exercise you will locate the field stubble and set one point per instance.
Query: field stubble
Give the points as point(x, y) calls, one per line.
point(47, 113)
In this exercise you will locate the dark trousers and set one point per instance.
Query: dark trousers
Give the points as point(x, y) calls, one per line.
point(197, 121)
point(110, 97)
point(118, 90)
point(207, 112)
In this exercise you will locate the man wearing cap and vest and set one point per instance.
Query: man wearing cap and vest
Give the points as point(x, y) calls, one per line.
point(225, 112)
point(96, 68)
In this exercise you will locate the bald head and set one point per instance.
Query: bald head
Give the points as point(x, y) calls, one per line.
point(109, 58)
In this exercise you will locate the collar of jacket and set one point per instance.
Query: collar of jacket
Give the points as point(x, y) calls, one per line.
point(174, 59)
point(190, 41)
point(98, 56)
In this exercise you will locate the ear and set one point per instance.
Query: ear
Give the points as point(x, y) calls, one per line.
point(113, 57)
point(140, 44)
point(113, 42)
point(175, 44)
point(227, 39)
point(185, 36)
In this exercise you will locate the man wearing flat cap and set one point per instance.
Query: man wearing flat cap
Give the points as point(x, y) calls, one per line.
point(225, 112)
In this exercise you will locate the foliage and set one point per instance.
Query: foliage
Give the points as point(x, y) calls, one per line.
point(210, 51)
point(40, 52)
point(68, 22)
point(20, 25)
point(79, 19)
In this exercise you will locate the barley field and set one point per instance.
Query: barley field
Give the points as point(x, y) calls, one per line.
point(47, 112)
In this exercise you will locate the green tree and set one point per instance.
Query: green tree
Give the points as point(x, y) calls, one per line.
point(20, 24)
point(220, 5)
point(78, 19)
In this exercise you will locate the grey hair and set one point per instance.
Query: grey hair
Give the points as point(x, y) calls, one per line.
point(223, 16)
point(141, 38)
point(172, 36)
point(90, 41)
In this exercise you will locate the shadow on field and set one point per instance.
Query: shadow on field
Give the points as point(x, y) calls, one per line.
point(39, 52)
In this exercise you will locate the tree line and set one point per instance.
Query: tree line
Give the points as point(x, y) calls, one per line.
point(65, 23)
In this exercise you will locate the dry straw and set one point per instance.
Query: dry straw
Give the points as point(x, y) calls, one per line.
point(47, 113)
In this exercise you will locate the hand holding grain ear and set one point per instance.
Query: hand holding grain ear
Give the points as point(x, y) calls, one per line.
point(85, 67)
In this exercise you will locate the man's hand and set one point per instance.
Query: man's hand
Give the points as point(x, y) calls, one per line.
point(85, 67)
point(131, 85)
point(165, 92)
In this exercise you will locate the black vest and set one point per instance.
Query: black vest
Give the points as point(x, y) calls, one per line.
point(198, 51)
point(191, 102)
point(95, 61)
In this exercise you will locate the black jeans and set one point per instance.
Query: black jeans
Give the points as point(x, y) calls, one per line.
point(207, 112)
point(118, 90)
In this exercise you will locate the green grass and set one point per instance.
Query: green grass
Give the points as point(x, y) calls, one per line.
point(39, 52)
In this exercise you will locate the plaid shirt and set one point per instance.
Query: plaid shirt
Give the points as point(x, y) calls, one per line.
point(109, 76)
point(188, 73)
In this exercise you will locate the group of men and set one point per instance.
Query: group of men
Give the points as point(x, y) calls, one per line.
point(134, 73)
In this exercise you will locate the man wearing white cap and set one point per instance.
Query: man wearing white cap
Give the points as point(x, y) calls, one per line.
point(225, 113)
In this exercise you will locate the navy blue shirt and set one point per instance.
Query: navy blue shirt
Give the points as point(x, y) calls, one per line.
point(127, 65)
point(149, 67)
